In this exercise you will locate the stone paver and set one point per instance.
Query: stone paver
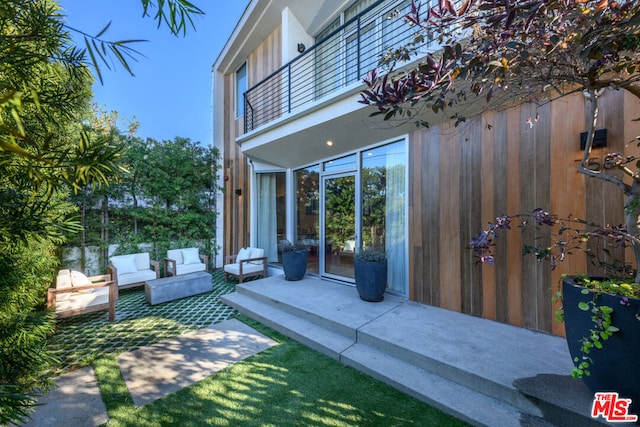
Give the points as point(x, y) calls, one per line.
point(75, 401)
point(150, 373)
point(157, 370)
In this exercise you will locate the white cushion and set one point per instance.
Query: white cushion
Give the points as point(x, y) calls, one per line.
point(124, 264)
point(349, 245)
point(142, 261)
point(63, 280)
point(190, 268)
point(247, 267)
point(176, 255)
point(78, 300)
point(257, 253)
point(244, 253)
point(79, 279)
point(138, 276)
point(190, 256)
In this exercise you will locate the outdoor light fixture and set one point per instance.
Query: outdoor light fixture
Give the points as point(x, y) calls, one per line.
point(330, 143)
point(301, 47)
point(238, 192)
point(599, 139)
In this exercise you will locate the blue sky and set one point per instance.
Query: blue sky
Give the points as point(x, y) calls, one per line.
point(171, 91)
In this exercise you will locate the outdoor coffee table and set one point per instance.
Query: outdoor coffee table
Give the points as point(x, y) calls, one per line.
point(171, 288)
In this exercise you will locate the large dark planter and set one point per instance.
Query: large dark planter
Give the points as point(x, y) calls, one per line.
point(294, 264)
point(371, 279)
point(615, 367)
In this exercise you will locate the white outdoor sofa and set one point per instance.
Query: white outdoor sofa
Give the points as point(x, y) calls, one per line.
point(184, 261)
point(248, 262)
point(75, 293)
point(133, 270)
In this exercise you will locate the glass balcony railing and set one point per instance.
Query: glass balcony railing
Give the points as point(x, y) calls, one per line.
point(339, 60)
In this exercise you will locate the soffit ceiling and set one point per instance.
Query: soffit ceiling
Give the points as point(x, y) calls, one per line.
point(262, 17)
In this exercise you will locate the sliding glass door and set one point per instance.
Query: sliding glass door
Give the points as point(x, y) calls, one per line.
point(339, 225)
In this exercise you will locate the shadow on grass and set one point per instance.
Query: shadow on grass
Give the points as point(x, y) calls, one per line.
point(286, 385)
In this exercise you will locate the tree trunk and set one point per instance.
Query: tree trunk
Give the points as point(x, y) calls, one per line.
point(104, 232)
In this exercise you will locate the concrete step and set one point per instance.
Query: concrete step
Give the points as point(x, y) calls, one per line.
point(523, 369)
point(448, 396)
point(319, 338)
point(481, 371)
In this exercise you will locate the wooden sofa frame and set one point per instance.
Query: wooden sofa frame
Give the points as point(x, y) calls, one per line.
point(101, 281)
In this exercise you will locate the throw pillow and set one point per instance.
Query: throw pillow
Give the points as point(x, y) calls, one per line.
point(79, 279)
point(190, 256)
point(124, 264)
point(257, 253)
point(244, 253)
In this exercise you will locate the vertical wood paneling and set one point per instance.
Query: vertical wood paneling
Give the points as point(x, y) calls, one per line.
point(260, 63)
point(567, 185)
point(528, 203)
point(416, 285)
point(489, 170)
point(450, 280)
point(500, 192)
point(514, 240)
point(470, 214)
point(431, 223)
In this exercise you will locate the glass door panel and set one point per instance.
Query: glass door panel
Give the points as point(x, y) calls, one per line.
point(339, 225)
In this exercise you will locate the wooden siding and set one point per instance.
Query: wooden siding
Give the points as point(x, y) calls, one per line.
point(260, 63)
point(506, 162)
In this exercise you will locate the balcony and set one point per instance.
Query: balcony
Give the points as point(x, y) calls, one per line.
point(335, 63)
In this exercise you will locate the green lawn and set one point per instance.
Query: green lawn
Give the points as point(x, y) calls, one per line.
point(286, 385)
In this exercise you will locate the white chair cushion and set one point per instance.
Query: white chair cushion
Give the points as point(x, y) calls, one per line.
point(190, 256)
point(125, 264)
point(78, 300)
point(256, 253)
point(244, 253)
point(79, 279)
point(175, 254)
point(142, 261)
point(138, 276)
point(63, 280)
point(190, 268)
point(247, 267)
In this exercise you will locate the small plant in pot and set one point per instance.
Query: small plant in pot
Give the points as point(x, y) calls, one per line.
point(294, 260)
point(601, 314)
point(370, 268)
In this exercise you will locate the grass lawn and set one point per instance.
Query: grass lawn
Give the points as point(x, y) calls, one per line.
point(286, 385)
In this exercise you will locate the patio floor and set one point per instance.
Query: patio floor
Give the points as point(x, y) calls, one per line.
point(80, 339)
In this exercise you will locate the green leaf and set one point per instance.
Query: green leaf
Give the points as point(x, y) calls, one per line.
point(583, 306)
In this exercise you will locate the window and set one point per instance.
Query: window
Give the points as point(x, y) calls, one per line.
point(384, 204)
point(241, 88)
point(307, 182)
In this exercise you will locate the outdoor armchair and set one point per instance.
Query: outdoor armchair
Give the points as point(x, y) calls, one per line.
point(248, 262)
point(75, 293)
point(184, 261)
point(133, 269)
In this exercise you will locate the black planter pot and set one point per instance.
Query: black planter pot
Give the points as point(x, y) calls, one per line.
point(294, 264)
point(371, 279)
point(615, 367)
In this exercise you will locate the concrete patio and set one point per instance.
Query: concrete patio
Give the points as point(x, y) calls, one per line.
point(481, 371)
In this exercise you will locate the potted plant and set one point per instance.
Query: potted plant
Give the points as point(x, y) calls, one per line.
point(601, 314)
point(506, 51)
point(294, 260)
point(370, 268)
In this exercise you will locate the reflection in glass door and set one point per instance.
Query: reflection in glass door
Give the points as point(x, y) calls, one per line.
point(339, 225)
